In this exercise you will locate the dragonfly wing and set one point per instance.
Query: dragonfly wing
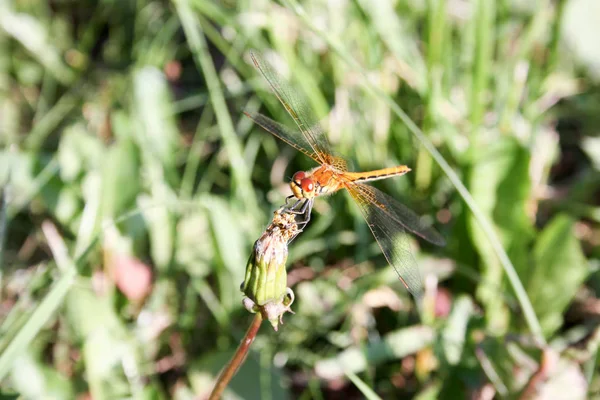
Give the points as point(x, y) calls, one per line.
point(401, 214)
point(292, 137)
point(298, 109)
point(381, 213)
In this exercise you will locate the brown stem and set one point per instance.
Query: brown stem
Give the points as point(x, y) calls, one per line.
point(237, 359)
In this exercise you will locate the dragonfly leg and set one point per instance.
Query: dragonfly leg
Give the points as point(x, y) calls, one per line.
point(305, 212)
point(293, 208)
point(287, 201)
point(301, 208)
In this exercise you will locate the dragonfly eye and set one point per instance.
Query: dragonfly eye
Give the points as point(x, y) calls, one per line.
point(299, 176)
point(307, 185)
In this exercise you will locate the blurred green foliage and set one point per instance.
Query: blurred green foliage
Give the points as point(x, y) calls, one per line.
point(133, 188)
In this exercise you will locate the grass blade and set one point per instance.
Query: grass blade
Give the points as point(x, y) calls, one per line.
point(195, 37)
point(362, 386)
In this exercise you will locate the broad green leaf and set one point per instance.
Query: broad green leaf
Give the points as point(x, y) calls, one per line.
point(559, 269)
point(499, 182)
point(510, 212)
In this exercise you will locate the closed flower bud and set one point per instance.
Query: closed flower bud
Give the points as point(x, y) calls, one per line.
point(265, 284)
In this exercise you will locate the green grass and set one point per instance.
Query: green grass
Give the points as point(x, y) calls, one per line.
point(126, 154)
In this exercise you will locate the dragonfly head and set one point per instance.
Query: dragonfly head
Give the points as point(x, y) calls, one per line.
point(302, 186)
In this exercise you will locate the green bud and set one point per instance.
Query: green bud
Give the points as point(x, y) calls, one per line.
point(265, 284)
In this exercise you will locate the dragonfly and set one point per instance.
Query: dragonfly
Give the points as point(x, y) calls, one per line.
point(387, 218)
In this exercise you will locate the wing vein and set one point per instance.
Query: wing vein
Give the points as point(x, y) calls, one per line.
point(297, 108)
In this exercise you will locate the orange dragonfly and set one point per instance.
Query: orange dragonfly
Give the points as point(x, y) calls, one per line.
point(387, 218)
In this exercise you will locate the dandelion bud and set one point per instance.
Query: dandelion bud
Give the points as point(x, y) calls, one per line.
point(265, 284)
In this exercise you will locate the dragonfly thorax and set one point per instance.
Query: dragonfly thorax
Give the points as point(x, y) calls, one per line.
point(316, 182)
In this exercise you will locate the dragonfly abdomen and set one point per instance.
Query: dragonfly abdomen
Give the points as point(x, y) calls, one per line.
point(377, 174)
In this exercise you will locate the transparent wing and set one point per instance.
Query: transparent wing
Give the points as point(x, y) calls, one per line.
point(292, 137)
point(399, 213)
point(389, 221)
point(300, 112)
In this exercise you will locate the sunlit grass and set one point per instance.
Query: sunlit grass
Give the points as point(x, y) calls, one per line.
point(123, 128)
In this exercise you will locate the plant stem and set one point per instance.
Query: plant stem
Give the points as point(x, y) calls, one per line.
point(238, 358)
